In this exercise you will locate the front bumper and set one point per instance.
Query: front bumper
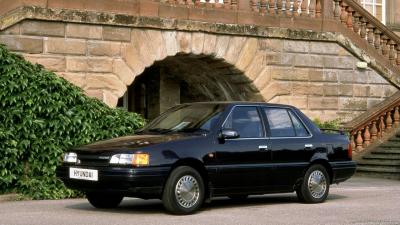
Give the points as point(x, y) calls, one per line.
point(343, 170)
point(146, 182)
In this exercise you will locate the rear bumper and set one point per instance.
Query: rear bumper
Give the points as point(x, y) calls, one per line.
point(133, 182)
point(343, 170)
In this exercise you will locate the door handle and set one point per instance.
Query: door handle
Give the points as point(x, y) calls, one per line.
point(263, 147)
point(308, 146)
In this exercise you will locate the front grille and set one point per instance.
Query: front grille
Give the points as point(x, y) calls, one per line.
point(92, 160)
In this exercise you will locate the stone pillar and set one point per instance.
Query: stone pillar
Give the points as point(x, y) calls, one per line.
point(169, 91)
point(152, 94)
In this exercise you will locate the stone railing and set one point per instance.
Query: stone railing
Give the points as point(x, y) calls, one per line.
point(227, 4)
point(366, 26)
point(311, 8)
point(372, 125)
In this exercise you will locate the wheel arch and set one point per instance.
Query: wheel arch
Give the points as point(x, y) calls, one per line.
point(325, 164)
point(198, 166)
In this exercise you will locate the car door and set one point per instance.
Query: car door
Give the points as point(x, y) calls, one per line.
point(242, 161)
point(291, 146)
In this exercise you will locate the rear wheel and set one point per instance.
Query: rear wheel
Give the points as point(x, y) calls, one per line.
point(184, 191)
point(315, 185)
point(104, 200)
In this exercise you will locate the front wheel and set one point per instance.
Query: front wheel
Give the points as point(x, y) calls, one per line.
point(315, 185)
point(183, 191)
point(104, 200)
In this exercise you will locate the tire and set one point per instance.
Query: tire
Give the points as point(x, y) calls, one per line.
point(317, 193)
point(238, 197)
point(104, 200)
point(176, 199)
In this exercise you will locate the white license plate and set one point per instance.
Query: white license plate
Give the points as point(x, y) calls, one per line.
point(83, 174)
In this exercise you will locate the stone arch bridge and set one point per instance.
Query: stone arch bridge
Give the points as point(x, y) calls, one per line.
point(149, 55)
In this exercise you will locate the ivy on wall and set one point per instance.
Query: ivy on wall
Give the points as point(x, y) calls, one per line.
point(41, 116)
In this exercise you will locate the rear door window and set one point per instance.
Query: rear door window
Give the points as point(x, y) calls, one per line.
point(284, 123)
point(279, 122)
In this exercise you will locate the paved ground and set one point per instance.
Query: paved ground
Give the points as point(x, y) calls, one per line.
point(362, 201)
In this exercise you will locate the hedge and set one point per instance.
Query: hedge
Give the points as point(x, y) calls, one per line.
point(42, 116)
point(331, 124)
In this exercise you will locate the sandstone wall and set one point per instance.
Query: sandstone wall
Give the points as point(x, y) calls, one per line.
point(320, 78)
point(87, 55)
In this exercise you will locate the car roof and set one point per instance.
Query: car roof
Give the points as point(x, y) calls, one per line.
point(233, 103)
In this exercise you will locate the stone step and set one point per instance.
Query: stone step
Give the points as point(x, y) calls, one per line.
point(382, 156)
point(379, 169)
point(375, 162)
point(389, 145)
point(392, 176)
point(383, 161)
point(394, 139)
point(386, 151)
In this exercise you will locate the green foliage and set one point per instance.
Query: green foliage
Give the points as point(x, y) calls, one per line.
point(331, 124)
point(41, 116)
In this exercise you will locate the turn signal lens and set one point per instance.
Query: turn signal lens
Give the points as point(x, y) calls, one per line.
point(140, 159)
point(350, 151)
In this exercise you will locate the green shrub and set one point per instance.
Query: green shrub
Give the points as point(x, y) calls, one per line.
point(331, 124)
point(41, 116)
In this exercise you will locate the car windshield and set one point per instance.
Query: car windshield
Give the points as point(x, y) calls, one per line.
point(186, 118)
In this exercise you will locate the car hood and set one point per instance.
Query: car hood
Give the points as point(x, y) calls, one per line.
point(132, 142)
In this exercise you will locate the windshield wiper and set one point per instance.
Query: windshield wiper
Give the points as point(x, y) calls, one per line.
point(192, 130)
point(160, 130)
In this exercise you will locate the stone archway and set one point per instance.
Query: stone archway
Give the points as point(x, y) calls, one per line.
point(186, 78)
point(212, 67)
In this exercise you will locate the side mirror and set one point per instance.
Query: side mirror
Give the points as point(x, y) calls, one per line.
point(228, 134)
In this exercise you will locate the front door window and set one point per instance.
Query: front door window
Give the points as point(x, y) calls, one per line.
point(246, 121)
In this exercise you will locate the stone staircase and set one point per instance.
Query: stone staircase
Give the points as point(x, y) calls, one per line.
point(382, 161)
point(375, 137)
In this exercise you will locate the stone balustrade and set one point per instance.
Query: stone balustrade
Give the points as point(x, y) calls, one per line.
point(228, 4)
point(311, 8)
point(352, 15)
point(374, 124)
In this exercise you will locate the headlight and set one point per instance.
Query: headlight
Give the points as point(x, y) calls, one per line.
point(70, 157)
point(137, 159)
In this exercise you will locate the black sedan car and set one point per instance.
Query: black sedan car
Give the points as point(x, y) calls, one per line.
point(196, 151)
